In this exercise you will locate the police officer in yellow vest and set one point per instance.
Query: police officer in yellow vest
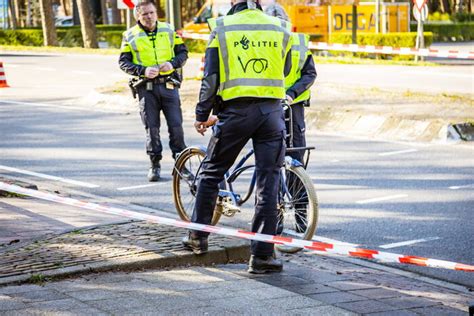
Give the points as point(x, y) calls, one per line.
point(298, 82)
point(246, 61)
point(152, 50)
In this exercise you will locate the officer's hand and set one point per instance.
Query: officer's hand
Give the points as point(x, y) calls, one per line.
point(200, 127)
point(211, 121)
point(166, 66)
point(289, 100)
point(151, 72)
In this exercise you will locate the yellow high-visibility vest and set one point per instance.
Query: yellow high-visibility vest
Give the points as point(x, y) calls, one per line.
point(150, 51)
point(299, 54)
point(252, 50)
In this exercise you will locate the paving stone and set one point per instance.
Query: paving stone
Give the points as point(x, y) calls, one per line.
point(403, 312)
point(365, 307)
point(96, 294)
point(241, 284)
point(204, 311)
point(8, 303)
point(268, 293)
point(320, 311)
point(38, 296)
point(141, 302)
point(282, 280)
point(72, 312)
point(337, 297)
point(409, 302)
point(319, 276)
point(213, 293)
point(179, 275)
point(245, 305)
point(310, 288)
point(291, 302)
point(351, 285)
point(87, 312)
point(57, 305)
point(377, 293)
point(114, 305)
point(438, 311)
point(20, 288)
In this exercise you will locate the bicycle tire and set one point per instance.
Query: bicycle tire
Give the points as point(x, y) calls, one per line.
point(185, 189)
point(303, 190)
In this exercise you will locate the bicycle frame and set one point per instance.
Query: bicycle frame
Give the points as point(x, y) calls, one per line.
point(240, 167)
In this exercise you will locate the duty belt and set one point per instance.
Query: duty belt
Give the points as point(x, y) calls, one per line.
point(160, 79)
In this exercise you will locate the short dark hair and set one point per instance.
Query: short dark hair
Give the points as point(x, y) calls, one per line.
point(143, 3)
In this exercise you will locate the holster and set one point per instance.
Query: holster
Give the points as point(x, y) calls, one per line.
point(134, 83)
point(176, 77)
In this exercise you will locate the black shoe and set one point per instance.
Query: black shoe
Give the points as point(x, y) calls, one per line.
point(154, 174)
point(198, 245)
point(267, 264)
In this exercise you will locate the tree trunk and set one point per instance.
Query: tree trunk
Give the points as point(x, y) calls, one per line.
point(19, 18)
point(13, 16)
point(88, 30)
point(47, 22)
point(116, 18)
point(105, 16)
point(65, 7)
point(29, 13)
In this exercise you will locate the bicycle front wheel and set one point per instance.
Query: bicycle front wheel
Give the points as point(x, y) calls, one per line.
point(185, 180)
point(298, 207)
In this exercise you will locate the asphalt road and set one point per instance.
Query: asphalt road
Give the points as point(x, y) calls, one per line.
point(59, 78)
point(371, 193)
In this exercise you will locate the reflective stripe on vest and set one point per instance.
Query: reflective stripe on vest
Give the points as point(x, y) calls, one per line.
point(302, 49)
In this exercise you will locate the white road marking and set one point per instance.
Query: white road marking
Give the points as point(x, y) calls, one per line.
point(391, 153)
point(383, 198)
point(5, 65)
point(82, 72)
point(456, 187)
point(67, 107)
point(335, 160)
point(49, 177)
point(141, 186)
point(408, 242)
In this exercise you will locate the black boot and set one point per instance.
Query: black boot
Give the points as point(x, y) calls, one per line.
point(264, 264)
point(154, 172)
point(197, 244)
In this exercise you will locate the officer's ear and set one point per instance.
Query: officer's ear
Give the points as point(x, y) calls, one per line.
point(135, 13)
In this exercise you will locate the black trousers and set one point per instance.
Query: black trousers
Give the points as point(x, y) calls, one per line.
point(239, 121)
point(299, 127)
point(151, 104)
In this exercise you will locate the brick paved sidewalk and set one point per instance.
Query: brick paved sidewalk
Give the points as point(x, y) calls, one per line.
point(131, 245)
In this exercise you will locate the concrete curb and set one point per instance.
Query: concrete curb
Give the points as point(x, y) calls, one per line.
point(233, 253)
point(389, 127)
point(18, 183)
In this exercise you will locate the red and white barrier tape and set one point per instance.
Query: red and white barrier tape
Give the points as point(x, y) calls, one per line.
point(309, 245)
point(422, 52)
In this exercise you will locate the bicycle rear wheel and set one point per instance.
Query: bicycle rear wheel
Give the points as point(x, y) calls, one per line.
point(185, 180)
point(298, 207)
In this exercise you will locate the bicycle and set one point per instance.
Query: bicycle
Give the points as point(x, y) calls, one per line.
point(297, 201)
